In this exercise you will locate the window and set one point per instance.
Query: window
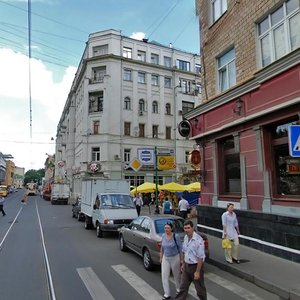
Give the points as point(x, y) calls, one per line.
point(168, 132)
point(226, 70)
point(127, 52)
point(141, 130)
point(197, 68)
point(96, 102)
point(98, 74)
point(187, 106)
point(168, 109)
point(127, 103)
point(154, 59)
point(127, 155)
point(127, 75)
point(218, 7)
point(155, 107)
point(100, 50)
point(126, 128)
point(141, 77)
point(96, 154)
point(141, 105)
point(287, 168)
point(141, 55)
point(278, 33)
point(187, 157)
point(230, 166)
point(185, 86)
point(146, 225)
point(183, 65)
point(96, 126)
point(135, 180)
point(155, 131)
point(154, 80)
point(167, 61)
point(168, 82)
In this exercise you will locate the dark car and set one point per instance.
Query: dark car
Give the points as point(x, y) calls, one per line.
point(76, 211)
point(143, 236)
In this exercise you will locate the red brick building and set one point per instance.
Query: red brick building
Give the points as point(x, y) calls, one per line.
point(251, 94)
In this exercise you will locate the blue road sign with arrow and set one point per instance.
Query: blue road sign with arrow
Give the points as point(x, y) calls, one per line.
point(294, 140)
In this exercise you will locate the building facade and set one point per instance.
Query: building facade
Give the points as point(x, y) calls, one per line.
point(19, 177)
point(251, 94)
point(125, 102)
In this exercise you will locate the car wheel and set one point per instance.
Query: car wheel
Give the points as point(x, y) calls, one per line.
point(122, 243)
point(73, 215)
point(99, 232)
point(78, 217)
point(87, 224)
point(147, 261)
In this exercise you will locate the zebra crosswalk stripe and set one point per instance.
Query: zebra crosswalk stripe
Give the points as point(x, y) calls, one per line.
point(232, 287)
point(141, 286)
point(94, 285)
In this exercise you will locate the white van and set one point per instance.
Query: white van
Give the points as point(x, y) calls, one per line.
point(106, 204)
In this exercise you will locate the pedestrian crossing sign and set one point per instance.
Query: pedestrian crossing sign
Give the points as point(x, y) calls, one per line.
point(294, 140)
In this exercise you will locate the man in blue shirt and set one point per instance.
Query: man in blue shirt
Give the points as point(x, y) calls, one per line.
point(192, 268)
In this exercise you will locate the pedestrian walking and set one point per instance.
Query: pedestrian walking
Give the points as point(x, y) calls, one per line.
point(193, 267)
point(183, 206)
point(138, 201)
point(1, 205)
point(167, 207)
point(170, 258)
point(231, 231)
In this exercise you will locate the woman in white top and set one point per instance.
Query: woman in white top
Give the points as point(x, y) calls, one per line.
point(231, 231)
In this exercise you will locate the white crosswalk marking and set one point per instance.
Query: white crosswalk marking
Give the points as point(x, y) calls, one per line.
point(232, 287)
point(141, 286)
point(94, 285)
point(192, 291)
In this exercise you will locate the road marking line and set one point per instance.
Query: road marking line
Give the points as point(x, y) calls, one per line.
point(232, 287)
point(141, 286)
point(11, 225)
point(49, 276)
point(94, 285)
point(193, 292)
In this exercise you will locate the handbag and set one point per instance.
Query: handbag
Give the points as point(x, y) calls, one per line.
point(226, 244)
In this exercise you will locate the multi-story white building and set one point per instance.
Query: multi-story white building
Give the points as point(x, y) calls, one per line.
point(127, 96)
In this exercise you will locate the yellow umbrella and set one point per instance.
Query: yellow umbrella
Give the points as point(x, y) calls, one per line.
point(193, 187)
point(146, 187)
point(172, 187)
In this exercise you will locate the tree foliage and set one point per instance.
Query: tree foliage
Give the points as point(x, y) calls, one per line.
point(34, 176)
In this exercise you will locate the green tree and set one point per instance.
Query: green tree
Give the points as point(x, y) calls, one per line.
point(34, 176)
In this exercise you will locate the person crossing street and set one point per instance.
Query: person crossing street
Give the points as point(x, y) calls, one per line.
point(1, 205)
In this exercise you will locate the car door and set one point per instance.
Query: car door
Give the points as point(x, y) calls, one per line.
point(129, 233)
point(142, 236)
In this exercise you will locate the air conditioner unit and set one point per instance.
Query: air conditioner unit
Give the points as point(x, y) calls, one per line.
point(140, 113)
point(117, 157)
point(180, 112)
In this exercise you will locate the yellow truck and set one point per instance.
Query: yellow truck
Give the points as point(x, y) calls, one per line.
point(3, 190)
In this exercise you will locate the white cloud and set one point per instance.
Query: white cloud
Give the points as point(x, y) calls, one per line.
point(138, 35)
point(48, 99)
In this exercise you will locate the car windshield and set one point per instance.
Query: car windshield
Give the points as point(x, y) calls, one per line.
point(160, 225)
point(116, 201)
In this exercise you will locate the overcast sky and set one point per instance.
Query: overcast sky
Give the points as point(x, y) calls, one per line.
point(59, 30)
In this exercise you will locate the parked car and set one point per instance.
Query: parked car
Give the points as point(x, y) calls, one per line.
point(143, 236)
point(76, 211)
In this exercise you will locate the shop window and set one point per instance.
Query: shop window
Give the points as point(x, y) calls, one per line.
point(287, 169)
point(230, 167)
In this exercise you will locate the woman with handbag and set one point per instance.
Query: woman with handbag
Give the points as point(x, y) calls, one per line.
point(170, 258)
point(231, 232)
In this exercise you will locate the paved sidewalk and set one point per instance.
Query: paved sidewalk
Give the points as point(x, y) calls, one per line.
point(272, 273)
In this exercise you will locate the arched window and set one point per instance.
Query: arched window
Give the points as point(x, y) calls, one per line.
point(155, 107)
point(127, 103)
point(168, 109)
point(141, 105)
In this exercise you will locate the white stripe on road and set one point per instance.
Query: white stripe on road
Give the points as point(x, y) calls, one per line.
point(193, 292)
point(12, 224)
point(232, 287)
point(141, 286)
point(94, 285)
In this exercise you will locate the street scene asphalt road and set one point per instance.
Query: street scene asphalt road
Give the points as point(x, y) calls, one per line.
point(47, 254)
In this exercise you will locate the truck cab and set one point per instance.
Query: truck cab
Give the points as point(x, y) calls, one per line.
point(111, 211)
